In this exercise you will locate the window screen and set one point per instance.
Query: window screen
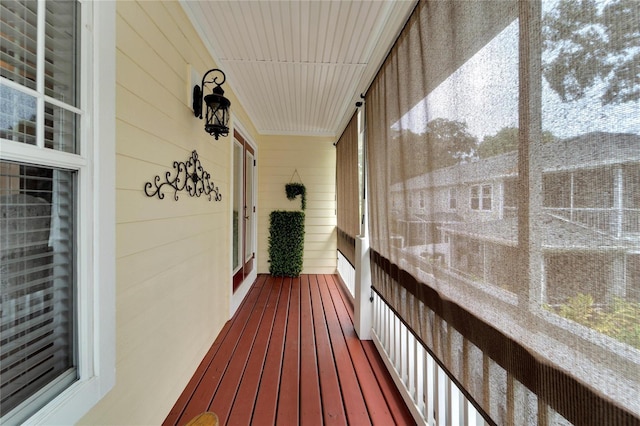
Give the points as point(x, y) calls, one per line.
point(528, 111)
point(347, 192)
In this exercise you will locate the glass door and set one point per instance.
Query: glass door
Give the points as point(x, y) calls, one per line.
point(243, 209)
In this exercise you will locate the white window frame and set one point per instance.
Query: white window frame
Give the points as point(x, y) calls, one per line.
point(452, 202)
point(95, 239)
point(479, 190)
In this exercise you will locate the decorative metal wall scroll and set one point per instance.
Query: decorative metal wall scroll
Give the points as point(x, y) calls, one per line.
point(189, 177)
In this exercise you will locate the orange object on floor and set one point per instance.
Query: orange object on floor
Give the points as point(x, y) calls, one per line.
point(205, 419)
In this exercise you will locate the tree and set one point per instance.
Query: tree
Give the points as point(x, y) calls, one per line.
point(506, 140)
point(587, 44)
point(443, 144)
point(449, 142)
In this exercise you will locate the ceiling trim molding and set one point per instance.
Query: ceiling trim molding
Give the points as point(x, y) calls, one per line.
point(306, 133)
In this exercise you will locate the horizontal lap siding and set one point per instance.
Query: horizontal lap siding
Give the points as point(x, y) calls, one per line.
point(314, 159)
point(172, 272)
point(172, 257)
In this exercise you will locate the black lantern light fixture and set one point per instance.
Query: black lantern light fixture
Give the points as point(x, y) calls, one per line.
point(217, 115)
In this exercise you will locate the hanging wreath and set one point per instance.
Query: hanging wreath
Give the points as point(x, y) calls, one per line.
point(293, 189)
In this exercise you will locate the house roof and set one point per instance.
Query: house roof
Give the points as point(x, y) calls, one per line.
point(591, 150)
point(557, 234)
point(429, 217)
point(586, 151)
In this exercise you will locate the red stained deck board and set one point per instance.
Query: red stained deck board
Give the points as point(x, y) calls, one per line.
point(344, 295)
point(376, 404)
point(291, 356)
point(288, 398)
point(384, 387)
point(398, 407)
point(267, 397)
point(246, 397)
point(332, 407)
point(355, 406)
point(181, 404)
point(310, 400)
point(223, 400)
point(201, 398)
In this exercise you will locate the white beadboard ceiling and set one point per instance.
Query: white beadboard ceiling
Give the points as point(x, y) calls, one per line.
point(298, 67)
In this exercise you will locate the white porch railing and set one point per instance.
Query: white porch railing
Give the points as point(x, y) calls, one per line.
point(433, 398)
point(347, 273)
point(430, 394)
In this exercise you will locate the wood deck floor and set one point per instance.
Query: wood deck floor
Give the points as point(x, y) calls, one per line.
point(289, 356)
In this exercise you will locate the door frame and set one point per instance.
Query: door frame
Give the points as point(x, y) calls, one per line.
point(240, 289)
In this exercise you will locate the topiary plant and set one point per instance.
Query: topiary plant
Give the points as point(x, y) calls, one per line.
point(286, 243)
point(295, 189)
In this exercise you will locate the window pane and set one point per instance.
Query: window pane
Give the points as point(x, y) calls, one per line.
point(486, 197)
point(18, 41)
point(62, 58)
point(238, 204)
point(249, 203)
point(17, 116)
point(37, 257)
point(61, 129)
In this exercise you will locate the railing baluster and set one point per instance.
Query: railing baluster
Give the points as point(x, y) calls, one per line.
point(376, 314)
point(443, 398)
point(385, 329)
point(390, 336)
point(470, 419)
point(404, 346)
point(436, 398)
point(397, 347)
point(454, 403)
point(409, 363)
point(433, 392)
point(419, 393)
point(412, 356)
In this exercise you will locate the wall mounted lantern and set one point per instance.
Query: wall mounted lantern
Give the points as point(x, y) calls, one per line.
point(217, 115)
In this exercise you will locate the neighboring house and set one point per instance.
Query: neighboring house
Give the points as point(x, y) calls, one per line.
point(587, 217)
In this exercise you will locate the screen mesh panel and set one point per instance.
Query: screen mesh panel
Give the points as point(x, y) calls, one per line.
point(347, 192)
point(503, 165)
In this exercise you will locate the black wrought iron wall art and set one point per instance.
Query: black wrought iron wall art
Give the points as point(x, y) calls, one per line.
point(189, 177)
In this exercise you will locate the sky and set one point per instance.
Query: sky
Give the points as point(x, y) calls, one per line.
point(483, 93)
